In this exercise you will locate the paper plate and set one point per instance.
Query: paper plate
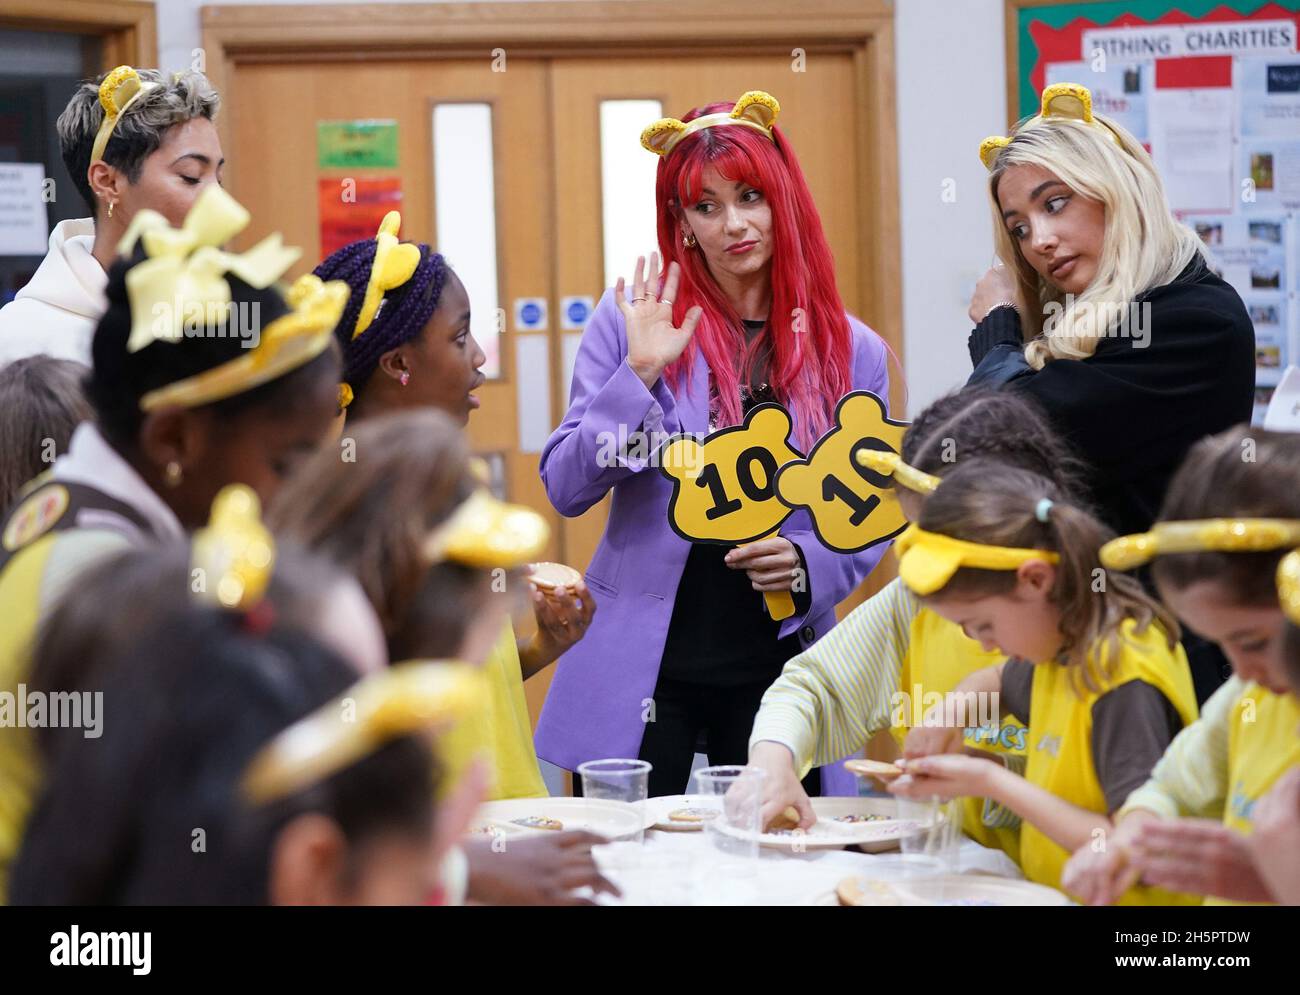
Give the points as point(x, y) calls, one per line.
point(661, 808)
point(611, 819)
point(832, 831)
point(950, 889)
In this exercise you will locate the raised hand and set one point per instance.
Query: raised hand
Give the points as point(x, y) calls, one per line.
point(653, 342)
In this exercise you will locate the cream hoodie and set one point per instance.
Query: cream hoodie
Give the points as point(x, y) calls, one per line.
point(56, 313)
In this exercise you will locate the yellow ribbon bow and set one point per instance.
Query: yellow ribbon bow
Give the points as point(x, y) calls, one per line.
point(120, 89)
point(234, 552)
point(1060, 102)
point(755, 109)
point(182, 283)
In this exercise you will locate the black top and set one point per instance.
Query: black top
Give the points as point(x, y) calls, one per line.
point(720, 633)
point(1135, 407)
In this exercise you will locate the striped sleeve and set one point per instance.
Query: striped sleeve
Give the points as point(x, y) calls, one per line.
point(1192, 777)
point(834, 696)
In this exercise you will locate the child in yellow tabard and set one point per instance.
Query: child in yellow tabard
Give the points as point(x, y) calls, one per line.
point(1095, 670)
point(879, 667)
point(1215, 552)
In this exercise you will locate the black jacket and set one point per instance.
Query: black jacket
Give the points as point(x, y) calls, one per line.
point(1133, 412)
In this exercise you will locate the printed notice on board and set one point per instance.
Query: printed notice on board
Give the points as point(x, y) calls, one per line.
point(24, 224)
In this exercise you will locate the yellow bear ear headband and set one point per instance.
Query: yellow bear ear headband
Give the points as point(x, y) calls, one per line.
point(755, 109)
point(406, 698)
point(1220, 535)
point(120, 89)
point(484, 533)
point(1061, 102)
point(182, 284)
point(892, 465)
point(928, 560)
point(395, 263)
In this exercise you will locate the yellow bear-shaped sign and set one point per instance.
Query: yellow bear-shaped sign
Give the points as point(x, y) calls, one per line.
point(724, 486)
point(852, 507)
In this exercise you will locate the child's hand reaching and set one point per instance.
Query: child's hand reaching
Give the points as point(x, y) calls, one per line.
point(544, 869)
point(1099, 876)
point(947, 776)
point(1200, 857)
point(781, 788)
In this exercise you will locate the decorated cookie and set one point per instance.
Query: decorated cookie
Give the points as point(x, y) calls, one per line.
point(538, 822)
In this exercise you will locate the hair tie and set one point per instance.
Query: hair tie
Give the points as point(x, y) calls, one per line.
point(1042, 508)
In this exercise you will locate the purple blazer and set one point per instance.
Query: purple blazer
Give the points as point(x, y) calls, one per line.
point(603, 685)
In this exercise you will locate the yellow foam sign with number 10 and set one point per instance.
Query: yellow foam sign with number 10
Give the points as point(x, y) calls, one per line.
point(852, 507)
point(724, 486)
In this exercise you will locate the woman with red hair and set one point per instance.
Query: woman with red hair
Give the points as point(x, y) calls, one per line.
point(747, 311)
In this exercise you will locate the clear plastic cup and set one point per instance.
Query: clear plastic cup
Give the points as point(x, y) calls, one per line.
point(619, 780)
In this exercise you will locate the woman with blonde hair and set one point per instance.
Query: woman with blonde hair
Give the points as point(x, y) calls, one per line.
point(1104, 309)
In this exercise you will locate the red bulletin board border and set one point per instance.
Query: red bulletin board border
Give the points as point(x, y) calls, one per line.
point(1039, 32)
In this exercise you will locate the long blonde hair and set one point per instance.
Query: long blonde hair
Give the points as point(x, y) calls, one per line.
point(1144, 246)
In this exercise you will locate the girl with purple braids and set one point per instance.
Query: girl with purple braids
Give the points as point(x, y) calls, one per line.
point(406, 342)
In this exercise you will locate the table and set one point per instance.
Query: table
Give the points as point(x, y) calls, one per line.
point(684, 869)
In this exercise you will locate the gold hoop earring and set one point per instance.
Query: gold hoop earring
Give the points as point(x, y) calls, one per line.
point(111, 205)
point(688, 240)
point(173, 474)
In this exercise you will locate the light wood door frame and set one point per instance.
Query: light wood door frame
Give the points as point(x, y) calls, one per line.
point(128, 29)
point(863, 28)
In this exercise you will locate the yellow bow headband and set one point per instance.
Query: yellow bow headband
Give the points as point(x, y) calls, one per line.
point(395, 263)
point(121, 88)
point(234, 555)
point(1221, 535)
point(484, 533)
point(928, 560)
point(755, 109)
point(182, 286)
point(404, 699)
point(1061, 102)
point(892, 465)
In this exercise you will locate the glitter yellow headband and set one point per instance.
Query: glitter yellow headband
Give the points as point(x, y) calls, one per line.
point(406, 698)
point(1221, 535)
point(234, 551)
point(121, 88)
point(395, 263)
point(1288, 585)
point(755, 109)
point(1061, 102)
point(484, 533)
point(892, 465)
point(928, 560)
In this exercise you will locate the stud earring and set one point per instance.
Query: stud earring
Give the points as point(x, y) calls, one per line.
point(688, 240)
point(173, 474)
point(405, 378)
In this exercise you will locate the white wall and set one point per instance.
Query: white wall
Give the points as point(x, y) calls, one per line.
point(951, 94)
